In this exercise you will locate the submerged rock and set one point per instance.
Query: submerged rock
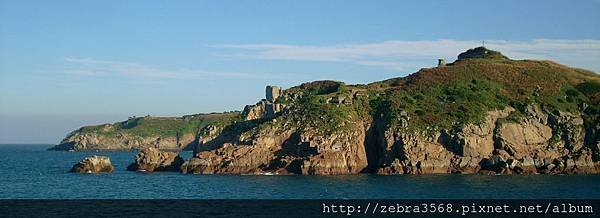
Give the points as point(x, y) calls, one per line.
point(152, 159)
point(93, 164)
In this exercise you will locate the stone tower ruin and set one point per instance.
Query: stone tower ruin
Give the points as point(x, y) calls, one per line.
point(266, 107)
point(273, 92)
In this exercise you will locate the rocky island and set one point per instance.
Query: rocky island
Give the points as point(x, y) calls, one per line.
point(484, 113)
point(93, 164)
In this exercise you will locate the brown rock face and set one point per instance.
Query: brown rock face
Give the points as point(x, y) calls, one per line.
point(266, 108)
point(152, 159)
point(262, 109)
point(93, 164)
point(477, 140)
point(279, 148)
point(541, 142)
point(524, 139)
point(92, 141)
point(447, 151)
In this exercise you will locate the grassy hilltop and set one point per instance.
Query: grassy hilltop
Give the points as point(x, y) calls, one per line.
point(454, 95)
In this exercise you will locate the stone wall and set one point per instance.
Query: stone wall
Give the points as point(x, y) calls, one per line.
point(273, 92)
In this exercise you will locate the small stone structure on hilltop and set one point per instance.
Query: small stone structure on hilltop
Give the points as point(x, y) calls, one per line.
point(441, 62)
point(273, 92)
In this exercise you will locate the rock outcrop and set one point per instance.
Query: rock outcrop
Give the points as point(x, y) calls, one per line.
point(483, 113)
point(94, 141)
point(283, 149)
point(528, 146)
point(328, 134)
point(265, 108)
point(93, 164)
point(152, 159)
point(262, 109)
point(533, 145)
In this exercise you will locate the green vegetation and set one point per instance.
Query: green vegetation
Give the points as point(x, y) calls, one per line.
point(320, 87)
point(567, 99)
point(441, 106)
point(451, 96)
point(481, 52)
point(315, 111)
point(591, 90)
point(162, 126)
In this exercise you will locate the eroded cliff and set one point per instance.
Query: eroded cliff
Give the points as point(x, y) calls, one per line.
point(481, 114)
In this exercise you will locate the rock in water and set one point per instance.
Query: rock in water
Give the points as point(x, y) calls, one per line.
point(93, 164)
point(152, 159)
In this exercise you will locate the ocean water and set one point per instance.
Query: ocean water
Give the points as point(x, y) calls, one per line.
point(29, 171)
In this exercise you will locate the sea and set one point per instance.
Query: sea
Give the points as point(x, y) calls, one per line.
point(32, 172)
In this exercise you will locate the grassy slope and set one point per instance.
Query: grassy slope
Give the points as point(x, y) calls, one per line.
point(455, 95)
point(162, 126)
point(464, 91)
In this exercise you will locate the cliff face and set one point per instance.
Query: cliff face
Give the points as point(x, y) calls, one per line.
point(539, 143)
point(482, 114)
point(95, 141)
point(280, 147)
point(536, 144)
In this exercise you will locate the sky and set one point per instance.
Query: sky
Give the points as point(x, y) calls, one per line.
point(64, 64)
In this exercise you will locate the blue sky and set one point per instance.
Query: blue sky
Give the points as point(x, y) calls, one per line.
point(68, 63)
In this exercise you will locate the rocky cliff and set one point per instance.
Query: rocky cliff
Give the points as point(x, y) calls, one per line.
point(483, 113)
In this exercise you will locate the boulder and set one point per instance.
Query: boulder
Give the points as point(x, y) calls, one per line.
point(525, 166)
point(495, 163)
point(585, 164)
point(152, 159)
point(93, 164)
